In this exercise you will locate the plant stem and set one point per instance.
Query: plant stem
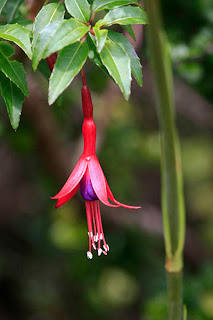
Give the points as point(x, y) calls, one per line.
point(174, 283)
point(83, 77)
point(46, 2)
point(171, 173)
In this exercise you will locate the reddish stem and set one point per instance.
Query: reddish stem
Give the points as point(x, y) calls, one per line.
point(92, 18)
point(83, 77)
point(92, 31)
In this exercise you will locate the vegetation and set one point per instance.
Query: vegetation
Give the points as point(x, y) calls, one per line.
point(44, 270)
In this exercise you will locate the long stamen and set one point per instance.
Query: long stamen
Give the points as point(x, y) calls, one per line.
point(90, 234)
point(91, 215)
point(106, 247)
point(94, 224)
point(98, 229)
point(95, 229)
point(101, 236)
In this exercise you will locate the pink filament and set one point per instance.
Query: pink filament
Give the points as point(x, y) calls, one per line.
point(95, 228)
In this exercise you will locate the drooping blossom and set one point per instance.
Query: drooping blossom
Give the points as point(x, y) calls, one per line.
point(89, 177)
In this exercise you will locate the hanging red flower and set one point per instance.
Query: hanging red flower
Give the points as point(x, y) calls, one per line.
point(89, 177)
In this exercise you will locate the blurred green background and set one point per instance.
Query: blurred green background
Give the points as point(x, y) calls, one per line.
point(44, 272)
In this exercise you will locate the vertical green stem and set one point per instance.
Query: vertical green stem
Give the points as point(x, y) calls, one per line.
point(171, 173)
point(174, 283)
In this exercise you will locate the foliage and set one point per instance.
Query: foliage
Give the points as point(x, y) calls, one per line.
point(43, 269)
point(64, 28)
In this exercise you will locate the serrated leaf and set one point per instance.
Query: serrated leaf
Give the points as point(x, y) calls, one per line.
point(94, 55)
point(70, 61)
point(79, 9)
point(57, 35)
point(124, 16)
point(12, 9)
point(2, 4)
point(13, 98)
point(101, 36)
point(99, 5)
point(117, 63)
point(17, 34)
point(128, 28)
point(50, 13)
point(136, 67)
point(12, 69)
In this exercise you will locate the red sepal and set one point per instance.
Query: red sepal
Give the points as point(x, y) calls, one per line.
point(66, 198)
point(111, 197)
point(73, 179)
point(98, 181)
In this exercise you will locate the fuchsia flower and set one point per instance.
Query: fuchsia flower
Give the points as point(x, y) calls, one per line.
point(89, 177)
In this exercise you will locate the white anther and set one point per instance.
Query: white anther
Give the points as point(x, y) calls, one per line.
point(96, 238)
point(106, 248)
point(101, 236)
point(89, 255)
point(91, 234)
point(94, 247)
point(100, 252)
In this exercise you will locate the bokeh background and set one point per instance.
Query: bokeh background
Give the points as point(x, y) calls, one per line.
point(44, 272)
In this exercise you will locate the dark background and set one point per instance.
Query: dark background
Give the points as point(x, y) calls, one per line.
point(44, 272)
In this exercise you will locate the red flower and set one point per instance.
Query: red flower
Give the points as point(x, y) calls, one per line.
point(89, 177)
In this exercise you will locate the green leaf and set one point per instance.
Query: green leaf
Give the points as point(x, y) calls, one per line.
point(136, 67)
point(117, 63)
point(57, 35)
point(79, 9)
point(2, 4)
point(70, 61)
point(44, 69)
point(99, 5)
point(94, 55)
point(124, 15)
point(101, 36)
point(17, 34)
point(49, 13)
point(12, 69)
point(12, 9)
point(13, 98)
point(28, 24)
point(128, 28)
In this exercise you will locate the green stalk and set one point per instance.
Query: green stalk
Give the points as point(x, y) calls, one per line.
point(174, 284)
point(171, 172)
